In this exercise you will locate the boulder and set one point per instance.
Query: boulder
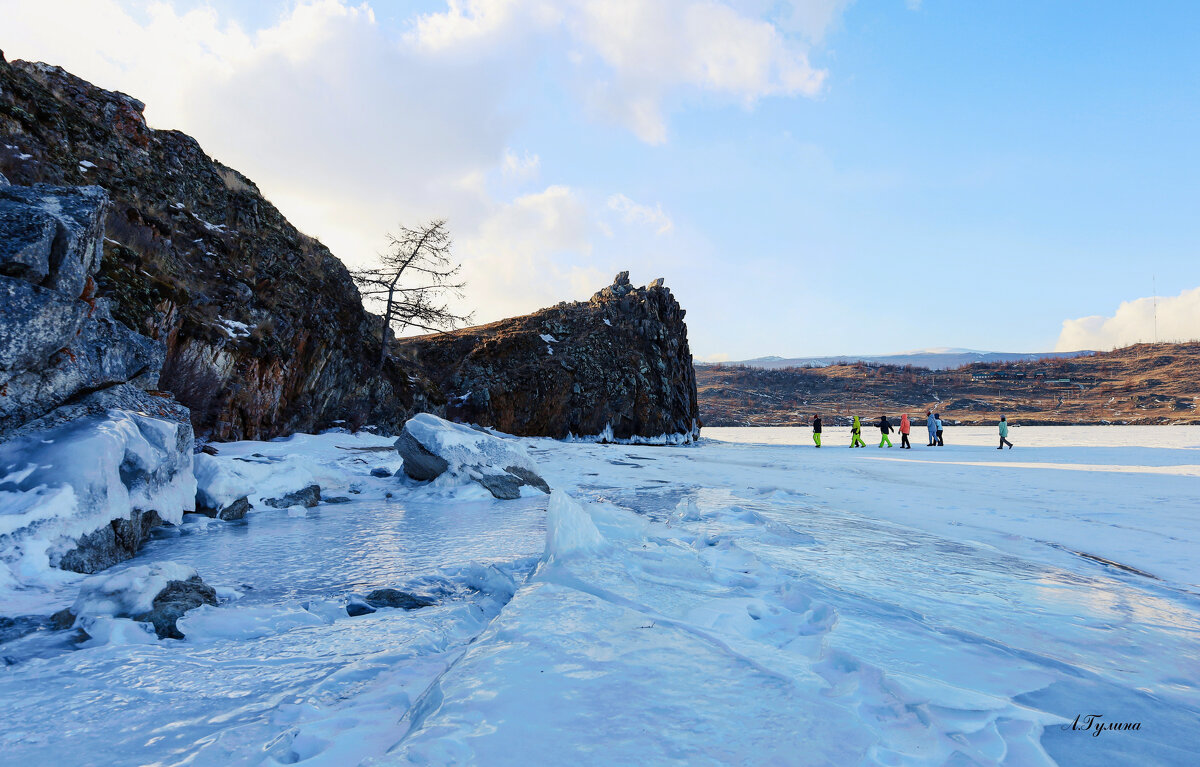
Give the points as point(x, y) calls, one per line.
point(432, 446)
point(380, 598)
point(158, 594)
point(307, 497)
point(231, 512)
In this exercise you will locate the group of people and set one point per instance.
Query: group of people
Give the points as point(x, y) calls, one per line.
point(933, 422)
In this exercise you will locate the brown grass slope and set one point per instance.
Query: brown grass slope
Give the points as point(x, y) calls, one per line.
point(1140, 384)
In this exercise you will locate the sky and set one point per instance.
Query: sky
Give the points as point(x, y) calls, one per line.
point(810, 178)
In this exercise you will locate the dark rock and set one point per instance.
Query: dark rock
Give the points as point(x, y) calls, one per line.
point(380, 472)
point(419, 463)
point(619, 367)
point(395, 598)
point(308, 497)
point(192, 241)
point(115, 542)
point(173, 601)
point(528, 477)
point(63, 619)
point(336, 499)
point(234, 511)
point(356, 608)
point(209, 450)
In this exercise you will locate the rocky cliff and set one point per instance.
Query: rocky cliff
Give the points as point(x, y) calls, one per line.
point(92, 455)
point(263, 329)
point(617, 366)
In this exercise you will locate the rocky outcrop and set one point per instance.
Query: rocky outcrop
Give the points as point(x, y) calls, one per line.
point(432, 447)
point(262, 330)
point(93, 454)
point(615, 367)
point(58, 341)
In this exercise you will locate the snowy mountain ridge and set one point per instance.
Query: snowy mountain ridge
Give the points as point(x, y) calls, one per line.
point(937, 358)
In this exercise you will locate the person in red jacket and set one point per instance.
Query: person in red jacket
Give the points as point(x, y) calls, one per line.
point(905, 428)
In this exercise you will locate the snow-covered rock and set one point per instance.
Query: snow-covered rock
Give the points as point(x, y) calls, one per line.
point(84, 495)
point(432, 447)
point(158, 594)
point(226, 486)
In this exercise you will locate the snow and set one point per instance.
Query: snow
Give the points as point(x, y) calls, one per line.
point(233, 328)
point(549, 338)
point(747, 599)
point(337, 461)
point(71, 480)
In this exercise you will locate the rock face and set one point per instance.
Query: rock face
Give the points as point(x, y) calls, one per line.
point(617, 366)
point(431, 447)
point(261, 330)
point(58, 341)
point(79, 405)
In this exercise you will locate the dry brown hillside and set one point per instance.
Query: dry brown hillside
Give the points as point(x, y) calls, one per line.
point(1141, 384)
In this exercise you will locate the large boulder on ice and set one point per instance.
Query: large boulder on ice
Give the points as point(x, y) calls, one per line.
point(432, 446)
point(227, 486)
point(158, 594)
point(616, 367)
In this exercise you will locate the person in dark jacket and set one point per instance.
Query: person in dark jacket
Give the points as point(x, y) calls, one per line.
point(885, 428)
point(816, 426)
point(937, 420)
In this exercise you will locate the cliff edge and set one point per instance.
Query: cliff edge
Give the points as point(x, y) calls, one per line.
point(615, 367)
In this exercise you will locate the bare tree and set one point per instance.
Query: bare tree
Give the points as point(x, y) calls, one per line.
point(412, 280)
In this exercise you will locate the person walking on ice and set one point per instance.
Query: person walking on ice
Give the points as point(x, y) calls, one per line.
point(905, 428)
point(885, 428)
point(1004, 433)
point(856, 434)
point(931, 424)
point(816, 426)
point(937, 422)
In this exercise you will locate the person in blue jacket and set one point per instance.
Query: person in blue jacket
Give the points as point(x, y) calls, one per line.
point(931, 424)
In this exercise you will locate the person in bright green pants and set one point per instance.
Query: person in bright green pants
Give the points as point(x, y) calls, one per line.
point(816, 427)
point(856, 434)
point(885, 428)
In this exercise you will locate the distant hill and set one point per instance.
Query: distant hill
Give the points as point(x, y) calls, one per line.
point(1142, 384)
point(934, 359)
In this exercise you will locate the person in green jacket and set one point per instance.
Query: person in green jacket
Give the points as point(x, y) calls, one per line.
point(1004, 433)
point(856, 434)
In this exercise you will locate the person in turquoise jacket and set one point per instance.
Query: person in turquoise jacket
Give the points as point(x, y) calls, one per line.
point(856, 434)
point(1004, 433)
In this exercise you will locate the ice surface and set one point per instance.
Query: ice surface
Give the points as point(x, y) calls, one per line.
point(717, 603)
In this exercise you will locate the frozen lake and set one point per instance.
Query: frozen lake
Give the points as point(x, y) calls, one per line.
point(748, 600)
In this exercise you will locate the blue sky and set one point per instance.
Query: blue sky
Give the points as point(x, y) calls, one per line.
point(810, 178)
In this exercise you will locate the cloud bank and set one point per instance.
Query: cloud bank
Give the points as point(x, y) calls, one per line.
point(1134, 322)
point(352, 126)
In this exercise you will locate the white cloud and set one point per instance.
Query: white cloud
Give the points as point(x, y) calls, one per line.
point(646, 51)
point(352, 128)
point(520, 166)
point(633, 213)
point(1178, 319)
